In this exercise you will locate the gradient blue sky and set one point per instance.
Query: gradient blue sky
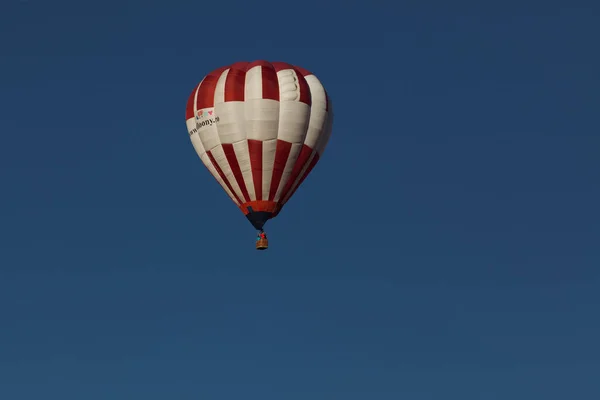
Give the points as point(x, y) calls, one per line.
point(446, 247)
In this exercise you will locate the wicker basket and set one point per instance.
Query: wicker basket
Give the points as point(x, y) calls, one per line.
point(262, 244)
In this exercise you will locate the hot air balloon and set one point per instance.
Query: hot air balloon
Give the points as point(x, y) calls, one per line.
point(259, 128)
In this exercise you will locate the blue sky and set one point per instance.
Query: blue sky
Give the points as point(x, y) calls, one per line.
point(445, 247)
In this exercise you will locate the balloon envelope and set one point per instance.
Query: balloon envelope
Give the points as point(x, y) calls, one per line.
point(259, 128)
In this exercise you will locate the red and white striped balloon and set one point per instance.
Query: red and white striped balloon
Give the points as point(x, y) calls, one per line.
point(259, 128)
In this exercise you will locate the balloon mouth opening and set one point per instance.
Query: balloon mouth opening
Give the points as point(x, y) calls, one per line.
point(258, 219)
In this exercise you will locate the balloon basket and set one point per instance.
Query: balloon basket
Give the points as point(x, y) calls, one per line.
point(262, 244)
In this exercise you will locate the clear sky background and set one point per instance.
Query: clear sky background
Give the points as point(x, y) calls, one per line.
point(447, 246)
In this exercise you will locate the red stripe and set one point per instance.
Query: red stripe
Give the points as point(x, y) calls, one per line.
point(278, 65)
point(235, 82)
point(255, 148)
point(189, 108)
point(206, 93)
point(270, 83)
point(241, 65)
point(235, 168)
point(302, 71)
point(313, 162)
point(300, 162)
point(222, 175)
point(282, 152)
point(262, 63)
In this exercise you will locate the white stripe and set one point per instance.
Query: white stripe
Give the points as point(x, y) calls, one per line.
point(326, 134)
point(210, 134)
point(289, 166)
point(243, 158)
point(293, 115)
point(288, 85)
point(269, 147)
point(253, 84)
point(297, 181)
point(214, 173)
point(196, 142)
point(221, 160)
point(318, 113)
point(293, 121)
